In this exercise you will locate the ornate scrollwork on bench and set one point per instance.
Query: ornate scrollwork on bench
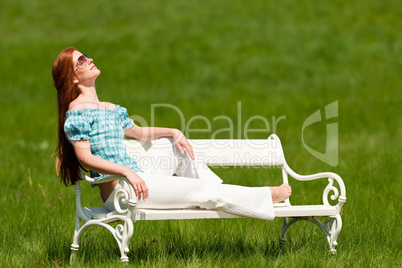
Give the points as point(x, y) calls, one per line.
point(124, 197)
point(330, 187)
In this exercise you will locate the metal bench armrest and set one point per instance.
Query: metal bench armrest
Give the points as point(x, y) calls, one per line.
point(330, 187)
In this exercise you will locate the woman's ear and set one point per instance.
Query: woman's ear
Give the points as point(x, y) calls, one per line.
point(75, 81)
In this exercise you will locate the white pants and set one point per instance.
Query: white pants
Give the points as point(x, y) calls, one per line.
point(195, 186)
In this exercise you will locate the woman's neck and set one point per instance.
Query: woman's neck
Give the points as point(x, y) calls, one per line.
point(88, 94)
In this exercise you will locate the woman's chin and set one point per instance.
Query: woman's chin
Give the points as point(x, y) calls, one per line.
point(97, 72)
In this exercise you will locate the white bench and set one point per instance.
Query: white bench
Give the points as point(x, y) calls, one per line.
point(266, 152)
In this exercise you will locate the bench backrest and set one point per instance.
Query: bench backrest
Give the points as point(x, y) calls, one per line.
point(224, 152)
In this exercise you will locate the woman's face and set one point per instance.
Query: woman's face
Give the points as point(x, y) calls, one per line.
point(85, 70)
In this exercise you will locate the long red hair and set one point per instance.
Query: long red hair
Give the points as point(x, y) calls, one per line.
point(67, 164)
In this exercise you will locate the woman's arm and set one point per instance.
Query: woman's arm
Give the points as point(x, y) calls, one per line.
point(153, 133)
point(100, 165)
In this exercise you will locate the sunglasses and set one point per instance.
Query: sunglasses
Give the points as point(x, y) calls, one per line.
point(82, 61)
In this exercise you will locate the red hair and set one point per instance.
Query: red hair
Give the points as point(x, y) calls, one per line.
point(67, 164)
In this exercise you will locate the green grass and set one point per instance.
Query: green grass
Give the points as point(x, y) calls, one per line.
point(285, 58)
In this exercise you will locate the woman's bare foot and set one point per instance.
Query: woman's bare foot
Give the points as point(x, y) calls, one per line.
point(280, 193)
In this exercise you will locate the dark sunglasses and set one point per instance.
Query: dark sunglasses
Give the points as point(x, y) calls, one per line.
point(82, 61)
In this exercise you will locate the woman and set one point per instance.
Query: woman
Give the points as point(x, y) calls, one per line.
point(91, 137)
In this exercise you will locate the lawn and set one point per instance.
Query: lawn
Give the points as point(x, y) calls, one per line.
point(210, 59)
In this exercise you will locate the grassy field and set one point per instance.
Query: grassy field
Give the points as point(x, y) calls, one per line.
point(277, 58)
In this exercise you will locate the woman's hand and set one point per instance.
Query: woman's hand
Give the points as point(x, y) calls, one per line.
point(181, 141)
point(139, 185)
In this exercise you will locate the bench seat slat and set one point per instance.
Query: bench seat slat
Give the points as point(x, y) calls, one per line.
point(179, 214)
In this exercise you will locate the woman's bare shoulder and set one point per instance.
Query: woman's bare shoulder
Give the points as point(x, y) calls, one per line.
point(79, 104)
point(107, 106)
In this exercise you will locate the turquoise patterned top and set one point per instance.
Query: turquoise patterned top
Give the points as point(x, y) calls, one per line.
point(105, 131)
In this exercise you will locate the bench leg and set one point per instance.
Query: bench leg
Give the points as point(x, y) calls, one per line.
point(331, 229)
point(335, 224)
point(74, 246)
point(285, 228)
point(122, 234)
